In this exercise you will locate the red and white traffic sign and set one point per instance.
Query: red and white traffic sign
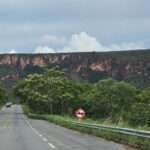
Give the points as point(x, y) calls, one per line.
point(80, 113)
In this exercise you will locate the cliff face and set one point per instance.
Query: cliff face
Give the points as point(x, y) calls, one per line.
point(133, 66)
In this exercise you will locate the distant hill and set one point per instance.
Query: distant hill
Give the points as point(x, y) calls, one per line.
point(131, 66)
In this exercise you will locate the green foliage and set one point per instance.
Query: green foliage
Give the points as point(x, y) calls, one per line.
point(2, 95)
point(54, 93)
point(111, 99)
point(30, 69)
point(6, 70)
point(140, 113)
point(50, 92)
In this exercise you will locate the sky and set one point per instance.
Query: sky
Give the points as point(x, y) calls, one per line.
point(49, 26)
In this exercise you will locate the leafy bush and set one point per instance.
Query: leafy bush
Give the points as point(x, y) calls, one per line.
point(140, 113)
point(54, 93)
point(50, 92)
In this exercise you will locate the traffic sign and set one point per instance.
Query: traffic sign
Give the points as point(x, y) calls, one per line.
point(80, 113)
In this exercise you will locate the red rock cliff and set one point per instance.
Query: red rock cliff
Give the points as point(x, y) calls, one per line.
point(131, 66)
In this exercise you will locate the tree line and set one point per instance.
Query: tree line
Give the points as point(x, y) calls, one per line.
point(54, 93)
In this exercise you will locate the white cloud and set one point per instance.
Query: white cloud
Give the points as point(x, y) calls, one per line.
point(12, 51)
point(54, 40)
point(127, 46)
point(83, 42)
point(44, 49)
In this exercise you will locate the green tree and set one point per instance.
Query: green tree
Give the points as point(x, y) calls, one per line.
point(112, 99)
point(51, 92)
point(140, 112)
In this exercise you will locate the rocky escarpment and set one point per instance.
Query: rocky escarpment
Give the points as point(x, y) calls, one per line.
point(132, 66)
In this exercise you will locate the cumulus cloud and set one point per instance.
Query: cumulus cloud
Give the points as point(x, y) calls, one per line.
point(13, 51)
point(83, 42)
point(44, 49)
point(22, 22)
point(127, 46)
point(54, 40)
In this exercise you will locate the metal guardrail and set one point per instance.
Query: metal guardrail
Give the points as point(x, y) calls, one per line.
point(127, 131)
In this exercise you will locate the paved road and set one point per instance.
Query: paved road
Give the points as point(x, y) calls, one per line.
point(19, 133)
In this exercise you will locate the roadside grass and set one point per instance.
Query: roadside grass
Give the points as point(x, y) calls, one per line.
point(65, 121)
point(1, 106)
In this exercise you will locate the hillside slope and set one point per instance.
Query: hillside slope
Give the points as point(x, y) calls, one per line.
point(131, 66)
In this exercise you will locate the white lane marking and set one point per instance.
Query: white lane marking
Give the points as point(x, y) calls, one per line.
point(40, 135)
point(51, 145)
point(32, 127)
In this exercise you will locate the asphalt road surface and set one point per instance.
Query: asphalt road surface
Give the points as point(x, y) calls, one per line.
point(19, 133)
